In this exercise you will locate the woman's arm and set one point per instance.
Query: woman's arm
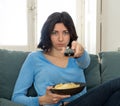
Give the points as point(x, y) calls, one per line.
point(24, 81)
point(84, 60)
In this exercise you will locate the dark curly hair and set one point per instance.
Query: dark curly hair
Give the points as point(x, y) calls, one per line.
point(57, 17)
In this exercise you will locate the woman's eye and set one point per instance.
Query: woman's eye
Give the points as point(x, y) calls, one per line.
point(66, 33)
point(54, 33)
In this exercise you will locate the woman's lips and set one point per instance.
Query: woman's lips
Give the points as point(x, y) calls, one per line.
point(60, 45)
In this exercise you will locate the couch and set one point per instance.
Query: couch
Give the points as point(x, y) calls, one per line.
point(103, 67)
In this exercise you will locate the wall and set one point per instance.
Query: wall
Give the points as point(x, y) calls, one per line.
point(110, 33)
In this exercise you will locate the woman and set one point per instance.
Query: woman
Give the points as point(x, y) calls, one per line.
point(49, 66)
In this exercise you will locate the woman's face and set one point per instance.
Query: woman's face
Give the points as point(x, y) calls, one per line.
point(60, 36)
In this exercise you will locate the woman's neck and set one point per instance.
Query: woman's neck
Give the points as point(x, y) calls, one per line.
point(56, 53)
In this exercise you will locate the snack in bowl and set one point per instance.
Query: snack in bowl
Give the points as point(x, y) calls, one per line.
point(68, 88)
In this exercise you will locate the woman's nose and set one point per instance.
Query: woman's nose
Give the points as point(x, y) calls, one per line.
point(60, 38)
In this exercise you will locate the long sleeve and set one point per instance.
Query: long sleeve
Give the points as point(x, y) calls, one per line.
point(84, 60)
point(24, 81)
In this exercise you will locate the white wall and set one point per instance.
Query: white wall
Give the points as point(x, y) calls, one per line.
point(110, 25)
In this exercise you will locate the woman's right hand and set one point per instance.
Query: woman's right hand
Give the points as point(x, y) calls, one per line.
point(51, 98)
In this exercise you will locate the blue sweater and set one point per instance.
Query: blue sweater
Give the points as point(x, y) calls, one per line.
point(42, 73)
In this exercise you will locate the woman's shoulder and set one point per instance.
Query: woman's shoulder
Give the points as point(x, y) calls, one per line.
point(37, 53)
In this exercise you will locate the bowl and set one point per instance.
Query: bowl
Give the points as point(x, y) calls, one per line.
point(69, 91)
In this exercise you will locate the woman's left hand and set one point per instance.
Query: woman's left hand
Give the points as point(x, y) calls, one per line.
point(78, 49)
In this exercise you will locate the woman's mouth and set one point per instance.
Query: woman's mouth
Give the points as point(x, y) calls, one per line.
point(60, 45)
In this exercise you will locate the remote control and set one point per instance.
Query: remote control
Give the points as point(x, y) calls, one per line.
point(69, 52)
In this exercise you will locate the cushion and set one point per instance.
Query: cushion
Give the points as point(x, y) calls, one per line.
point(92, 73)
point(5, 102)
point(10, 64)
point(110, 65)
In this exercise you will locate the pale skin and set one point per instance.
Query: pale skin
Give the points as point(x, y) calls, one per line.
point(60, 39)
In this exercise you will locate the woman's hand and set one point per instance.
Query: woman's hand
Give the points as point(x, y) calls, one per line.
point(78, 49)
point(50, 98)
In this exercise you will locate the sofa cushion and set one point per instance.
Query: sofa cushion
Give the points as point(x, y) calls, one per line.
point(10, 64)
point(110, 65)
point(92, 73)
